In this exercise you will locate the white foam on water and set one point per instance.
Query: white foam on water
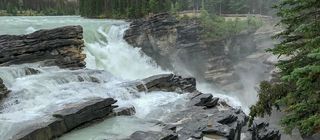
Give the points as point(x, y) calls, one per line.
point(229, 98)
point(118, 57)
point(35, 97)
point(30, 30)
point(112, 129)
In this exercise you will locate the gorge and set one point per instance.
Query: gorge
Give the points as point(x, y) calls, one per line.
point(46, 97)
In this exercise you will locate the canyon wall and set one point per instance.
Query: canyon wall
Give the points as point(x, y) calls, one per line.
point(178, 45)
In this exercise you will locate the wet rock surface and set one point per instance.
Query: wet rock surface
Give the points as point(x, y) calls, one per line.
point(67, 119)
point(199, 120)
point(167, 83)
point(3, 90)
point(55, 47)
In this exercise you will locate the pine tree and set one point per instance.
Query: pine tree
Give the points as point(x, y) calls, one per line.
point(298, 91)
point(153, 6)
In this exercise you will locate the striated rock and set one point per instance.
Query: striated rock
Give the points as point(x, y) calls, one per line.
point(156, 36)
point(67, 119)
point(177, 45)
point(3, 90)
point(168, 83)
point(59, 47)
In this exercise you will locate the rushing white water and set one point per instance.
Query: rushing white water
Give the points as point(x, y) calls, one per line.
point(118, 57)
point(35, 97)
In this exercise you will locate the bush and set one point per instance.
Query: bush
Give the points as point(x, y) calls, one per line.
point(218, 27)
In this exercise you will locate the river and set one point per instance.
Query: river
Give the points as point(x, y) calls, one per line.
point(35, 97)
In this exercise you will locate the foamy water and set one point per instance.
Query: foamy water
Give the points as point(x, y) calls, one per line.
point(110, 60)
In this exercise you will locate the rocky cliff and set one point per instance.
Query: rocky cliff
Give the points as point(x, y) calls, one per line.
point(58, 47)
point(178, 45)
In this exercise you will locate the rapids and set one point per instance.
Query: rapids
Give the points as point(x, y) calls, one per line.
point(109, 59)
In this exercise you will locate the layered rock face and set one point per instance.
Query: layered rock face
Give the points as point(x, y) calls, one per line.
point(157, 36)
point(56, 47)
point(178, 45)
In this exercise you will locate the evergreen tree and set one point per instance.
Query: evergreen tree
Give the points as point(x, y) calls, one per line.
point(153, 6)
point(298, 91)
point(238, 6)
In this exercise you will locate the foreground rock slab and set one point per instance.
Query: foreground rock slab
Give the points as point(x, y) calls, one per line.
point(69, 118)
point(55, 47)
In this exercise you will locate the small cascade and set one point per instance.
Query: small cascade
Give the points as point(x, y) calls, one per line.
point(9, 74)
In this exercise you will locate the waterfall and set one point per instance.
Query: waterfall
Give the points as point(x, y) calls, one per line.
point(118, 57)
point(110, 60)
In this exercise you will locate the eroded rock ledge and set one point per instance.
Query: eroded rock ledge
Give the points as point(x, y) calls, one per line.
point(55, 47)
point(167, 83)
point(67, 119)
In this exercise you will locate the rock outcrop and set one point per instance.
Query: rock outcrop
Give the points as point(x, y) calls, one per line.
point(177, 45)
point(3, 90)
point(204, 116)
point(167, 83)
point(55, 47)
point(67, 119)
